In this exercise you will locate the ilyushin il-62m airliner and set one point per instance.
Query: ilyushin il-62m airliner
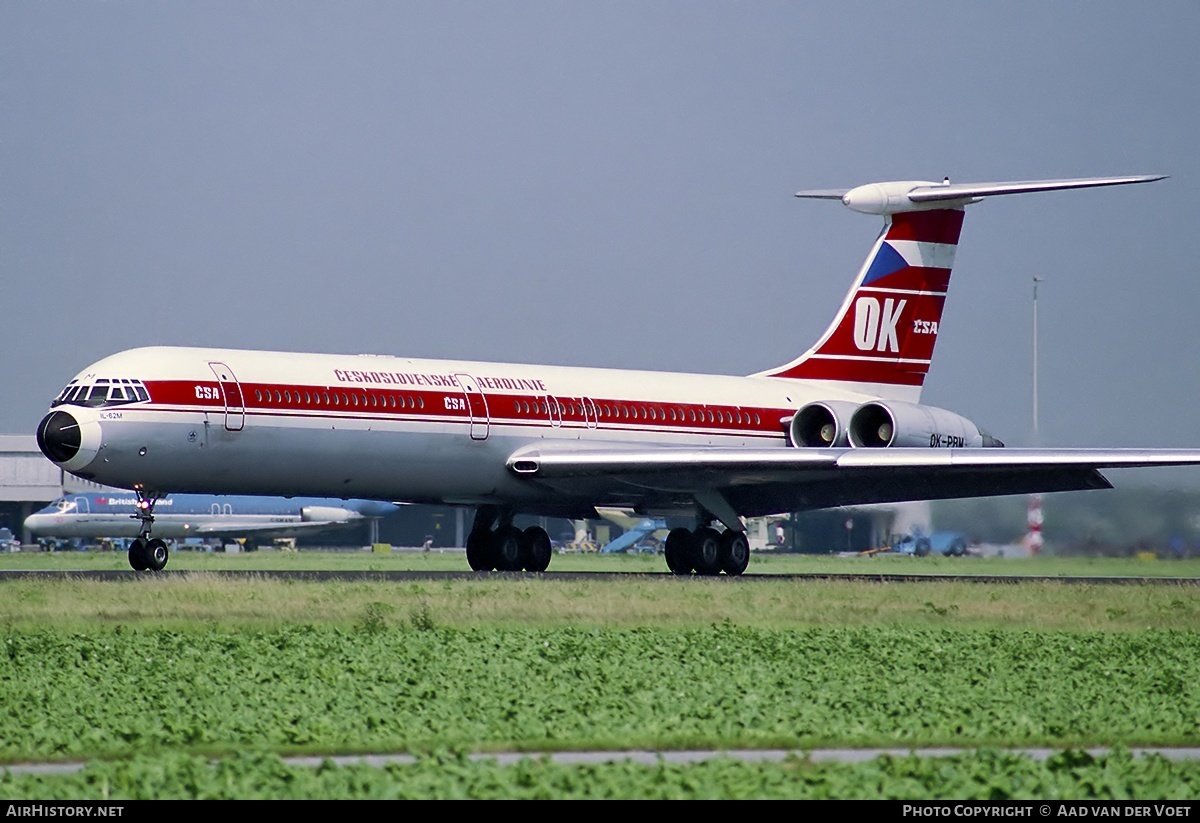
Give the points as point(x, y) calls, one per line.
point(841, 424)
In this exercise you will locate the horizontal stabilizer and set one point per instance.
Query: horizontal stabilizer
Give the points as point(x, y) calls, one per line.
point(823, 194)
point(956, 191)
point(917, 195)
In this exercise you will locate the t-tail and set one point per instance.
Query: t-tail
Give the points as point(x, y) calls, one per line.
point(881, 342)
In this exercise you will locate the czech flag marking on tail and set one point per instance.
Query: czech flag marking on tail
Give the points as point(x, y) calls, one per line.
point(882, 339)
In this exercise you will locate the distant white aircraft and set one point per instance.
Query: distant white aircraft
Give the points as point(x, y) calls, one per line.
point(181, 516)
point(841, 424)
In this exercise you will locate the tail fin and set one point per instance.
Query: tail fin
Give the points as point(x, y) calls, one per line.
point(882, 339)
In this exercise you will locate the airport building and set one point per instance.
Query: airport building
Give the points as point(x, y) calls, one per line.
point(28, 481)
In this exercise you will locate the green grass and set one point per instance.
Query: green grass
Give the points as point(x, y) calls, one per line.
point(149, 677)
point(987, 777)
point(184, 601)
point(761, 563)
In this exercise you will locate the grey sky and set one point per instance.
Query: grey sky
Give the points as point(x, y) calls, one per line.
point(601, 183)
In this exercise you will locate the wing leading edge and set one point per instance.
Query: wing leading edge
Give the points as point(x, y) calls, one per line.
point(756, 483)
point(290, 529)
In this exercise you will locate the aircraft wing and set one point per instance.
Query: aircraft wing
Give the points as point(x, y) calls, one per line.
point(758, 482)
point(291, 529)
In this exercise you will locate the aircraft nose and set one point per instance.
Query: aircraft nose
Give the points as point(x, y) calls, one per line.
point(59, 436)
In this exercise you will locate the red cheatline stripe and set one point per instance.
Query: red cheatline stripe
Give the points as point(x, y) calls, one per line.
point(502, 408)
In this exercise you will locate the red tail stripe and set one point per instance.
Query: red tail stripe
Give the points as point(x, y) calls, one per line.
point(937, 226)
point(915, 278)
point(858, 371)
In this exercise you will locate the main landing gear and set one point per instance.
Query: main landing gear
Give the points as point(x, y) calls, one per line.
point(506, 548)
point(707, 551)
point(146, 553)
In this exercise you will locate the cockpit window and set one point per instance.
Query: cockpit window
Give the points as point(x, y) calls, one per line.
point(102, 392)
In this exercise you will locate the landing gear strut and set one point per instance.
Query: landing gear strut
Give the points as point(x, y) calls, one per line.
point(146, 553)
point(506, 548)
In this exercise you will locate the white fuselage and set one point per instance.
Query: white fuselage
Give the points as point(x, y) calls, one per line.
point(388, 428)
point(172, 526)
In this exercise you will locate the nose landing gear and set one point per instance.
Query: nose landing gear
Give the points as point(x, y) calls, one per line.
point(146, 553)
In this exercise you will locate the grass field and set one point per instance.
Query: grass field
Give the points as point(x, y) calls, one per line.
point(197, 685)
point(760, 563)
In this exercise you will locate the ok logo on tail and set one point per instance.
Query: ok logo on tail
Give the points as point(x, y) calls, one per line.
point(875, 327)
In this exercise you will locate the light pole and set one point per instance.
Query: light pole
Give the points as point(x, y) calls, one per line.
point(1036, 437)
point(1034, 504)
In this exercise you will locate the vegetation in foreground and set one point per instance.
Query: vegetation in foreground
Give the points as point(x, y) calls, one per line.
point(150, 678)
point(321, 690)
point(986, 775)
point(198, 600)
point(761, 563)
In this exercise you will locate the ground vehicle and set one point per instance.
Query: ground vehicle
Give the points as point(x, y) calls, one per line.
point(8, 542)
point(948, 543)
